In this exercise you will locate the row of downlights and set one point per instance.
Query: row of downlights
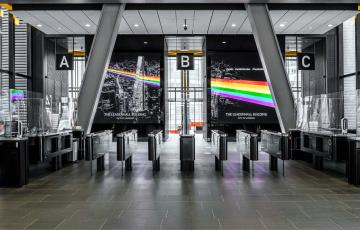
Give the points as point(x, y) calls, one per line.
point(232, 25)
point(223, 42)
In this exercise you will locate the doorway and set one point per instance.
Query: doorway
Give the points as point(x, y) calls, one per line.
point(192, 107)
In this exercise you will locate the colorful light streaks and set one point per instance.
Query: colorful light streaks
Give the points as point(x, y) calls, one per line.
point(255, 92)
point(149, 80)
point(17, 94)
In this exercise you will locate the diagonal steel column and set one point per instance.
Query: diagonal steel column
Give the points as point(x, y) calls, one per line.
point(273, 64)
point(98, 62)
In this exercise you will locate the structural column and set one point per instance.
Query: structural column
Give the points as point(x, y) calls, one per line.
point(273, 64)
point(357, 46)
point(98, 62)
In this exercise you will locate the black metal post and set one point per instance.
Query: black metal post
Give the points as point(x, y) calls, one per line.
point(273, 163)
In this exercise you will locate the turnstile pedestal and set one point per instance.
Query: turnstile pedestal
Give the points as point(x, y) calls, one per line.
point(353, 165)
point(187, 152)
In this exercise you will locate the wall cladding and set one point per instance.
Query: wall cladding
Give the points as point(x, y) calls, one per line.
point(349, 67)
point(314, 81)
point(21, 64)
point(4, 84)
point(56, 83)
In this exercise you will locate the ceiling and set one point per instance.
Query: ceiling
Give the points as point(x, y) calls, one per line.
point(172, 21)
point(300, 43)
point(175, 1)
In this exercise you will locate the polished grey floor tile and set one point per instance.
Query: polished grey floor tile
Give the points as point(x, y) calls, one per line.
point(277, 223)
point(242, 223)
point(46, 223)
point(314, 223)
point(347, 223)
point(204, 199)
point(135, 222)
point(81, 223)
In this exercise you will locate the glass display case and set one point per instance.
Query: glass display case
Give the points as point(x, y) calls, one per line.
point(37, 115)
point(320, 112)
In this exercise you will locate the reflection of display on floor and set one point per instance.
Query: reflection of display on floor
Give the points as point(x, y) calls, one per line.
point(255, 92)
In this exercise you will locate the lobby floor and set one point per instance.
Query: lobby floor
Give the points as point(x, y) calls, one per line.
point(71, 199)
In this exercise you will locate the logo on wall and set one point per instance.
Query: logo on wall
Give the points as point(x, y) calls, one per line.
point(64, 62)
point(306, 61)
point(185, 61)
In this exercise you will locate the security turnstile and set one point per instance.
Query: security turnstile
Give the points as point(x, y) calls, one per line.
point(247, 146)
point(126, 144)
point(219, 149)
point(277, 146)
point(155, 145)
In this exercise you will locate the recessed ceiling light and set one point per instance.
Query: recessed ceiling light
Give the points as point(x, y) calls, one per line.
point(136, 25)
point(87, 25)
point(145, 42)
point(330, 25)
point(282, 25)
point(223, 42)
point(59, 28)
point(233, 25)
point(39, 25)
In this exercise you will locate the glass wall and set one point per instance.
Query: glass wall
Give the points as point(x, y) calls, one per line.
point(316, 108)
point(4, 65)
point(62, 86)
point(13, 65)
point(196, 83)
point(195, 91)
point(291, 66)
point(65, 83)
point(75, 76)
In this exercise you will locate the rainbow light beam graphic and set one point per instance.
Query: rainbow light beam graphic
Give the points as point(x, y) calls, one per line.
point(255, 92)
point(149, 80)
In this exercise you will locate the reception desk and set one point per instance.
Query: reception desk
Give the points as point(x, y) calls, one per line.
point(14, 162)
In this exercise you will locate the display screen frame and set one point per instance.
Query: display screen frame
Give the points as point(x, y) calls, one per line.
point(152, 85)
point(238, 91)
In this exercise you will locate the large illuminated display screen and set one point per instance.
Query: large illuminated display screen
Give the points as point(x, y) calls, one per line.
point(131, 91)
point(239, 90)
